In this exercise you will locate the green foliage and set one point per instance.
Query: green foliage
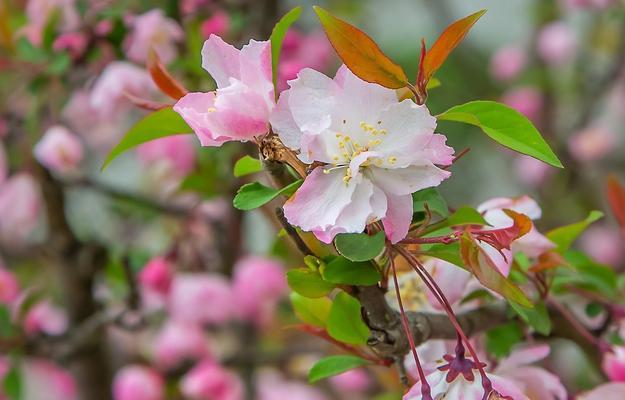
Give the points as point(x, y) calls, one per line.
point(436, 203)
point(537, 317)
point(161, 123)
point(254, 195)
point(564, 236)
point(334, 365)
point(346, 272)
point(466, 216)
point(247, 165)
point(583, 272)
point(360, 246)
point(501, 339)
point(506, 126)
point(277, 37)
point(345, 323)
point(446, 252)
point(13, 382)
point(308, 283)
point(311, 311)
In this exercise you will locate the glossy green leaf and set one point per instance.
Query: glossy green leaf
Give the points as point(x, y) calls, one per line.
point(247, 165)
point(345, 321)
point(311, 311)
point(587, 274)
point(564, 236)
point(334, 365)
point(506, 126)
point(537, 317)
point(277, 37)
point(432, 197)
point(466, 216)
point(360, 246)
point(501, 340)
point(161, 123)
point(253, 195)
point(308, 283)
point(446, 252)
point(345, 272)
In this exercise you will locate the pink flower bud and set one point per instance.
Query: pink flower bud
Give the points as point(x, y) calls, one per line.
point(525, 99)
point(156, 275)
point(75, 43)
point(153, 30)
point(9, 287)
point(556, 43)
point(507, 63)
point(191, 293)
point(175, 152)
point(45, 318)
point(208, 381)
point(59, 150)
point(258, 284)
point(352, 381)
point(103, 27)
point(20, 208)
point(604, 244)
point(614, 364)
point(592, 144)
point(218, 24)
point(42, 379)
point(178, 342)
point(136, 382)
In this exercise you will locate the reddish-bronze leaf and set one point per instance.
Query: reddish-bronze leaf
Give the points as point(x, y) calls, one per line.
point(548, 260)
point(163, 79)
point(502, 238)
point(616, 198)
point(360, 53)
point(444, 45)
point(146, 104)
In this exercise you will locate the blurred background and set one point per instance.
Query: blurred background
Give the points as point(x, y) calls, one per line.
point(144, 276)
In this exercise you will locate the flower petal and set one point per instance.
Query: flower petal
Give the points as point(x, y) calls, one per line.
point(255, 60)
point(193, 108)
point(220, 60)
point(408, 180)
point(398, 217)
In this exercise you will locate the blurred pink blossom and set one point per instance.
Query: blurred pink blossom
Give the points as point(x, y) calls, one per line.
point(177, 342)
point(614, 364)
point(20, 208)
point(531, 171)
point(174, 152)
point(192, 6)
point(9, 287)
point(210, 381)
point(604, 244)
point(507, 63)
point(137, 382)
point(352, 381)
point(556, 43)
point(103, 27)
point(46, 318)
point(606, 391)
point(119, 77)
point(44, 380)
point(302, 51)
point(75, 43)
point(258, 284)
point(157, 275)
point(59, 150)
point(39, 13)
point(218, 24)
point(527, 100)
point(201, 298)
point(592, 143)
point(153, 30)
point(270, 386)
point(452, 280)
point(598, 4)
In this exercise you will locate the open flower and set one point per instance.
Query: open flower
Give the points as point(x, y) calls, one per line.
point(239, 109)
point(378, 151)
point(154, 30)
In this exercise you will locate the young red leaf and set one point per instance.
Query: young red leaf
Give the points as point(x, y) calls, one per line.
point(163, 79)
point(360, 53)
point(145, 104)
point(502, 238)
point(444, 45)
point(616, 198)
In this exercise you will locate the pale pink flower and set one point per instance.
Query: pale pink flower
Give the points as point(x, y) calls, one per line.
point(218, 24)
point(157, 275)
point(75, 43)
point(39, 13)
point(210, 381)
point(536, 382)
point(177, 342)
point(450, 278)
point(531, 244)
point(46, 318)
point(592, 144)
point(525, 99)
point(556, 43)
point(153, 30)
point(239, 109)
point(44, 380)
point(507, 63)
point(201, 298)
point(604, 244)
point(9, 287)
point(258, 284)
point(607, 391)
point(176, 153)
point(119, 77)
point(59, 150)
point(291, 390)
point(301, 51)
point(20, 208)
point(4, 164)
point(614, 364)
point(137, 382)
point(103, 27)
point(531, 171)
point(352, 381)
point(378, 150)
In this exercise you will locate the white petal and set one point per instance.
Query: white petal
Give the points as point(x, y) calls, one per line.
point(221, 60)
point(408, 180)
point(283, 123)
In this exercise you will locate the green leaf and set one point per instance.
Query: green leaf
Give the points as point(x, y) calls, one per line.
point(334, 365)
point(466, 216)
point(360, 246)
point(277, 37)
point(254, 195)
point(433, 83)
point(537, 317)
point(504, 125)
point(564, 236)
point(345, 272)
point(446, 252)
point(161, 123)
point(13, 382)
point(6, 322)
point(308, 283)
point(436, 203)
point(500, 340)
point(311, 311)
point(247, 165)
point(587, 274)
point(345, 322)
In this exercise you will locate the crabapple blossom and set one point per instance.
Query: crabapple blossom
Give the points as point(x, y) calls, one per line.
point(271, 386)
point(607, 391)
point(176, 153)
point(218, 24)
point(300, 51)
point(257, 285)
point(592, 144)
point(153, 30)
point(59, 150)
point(604, 244)
point(239, 109)
point(39, 13)
point(20, 208)
point(192, 292)
point(137, 382)
point(556, 43)
point(352, 381)
point(377, 151)
point(452, 280)
point(507, 63)
point(44, 380)
point(210, 381)
point(44, 317)
point(157, 275)
point(177, 342)
point(531, 171)
point(9, 287)
point(614, 364)
point(75, 43)
point(527, 100)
